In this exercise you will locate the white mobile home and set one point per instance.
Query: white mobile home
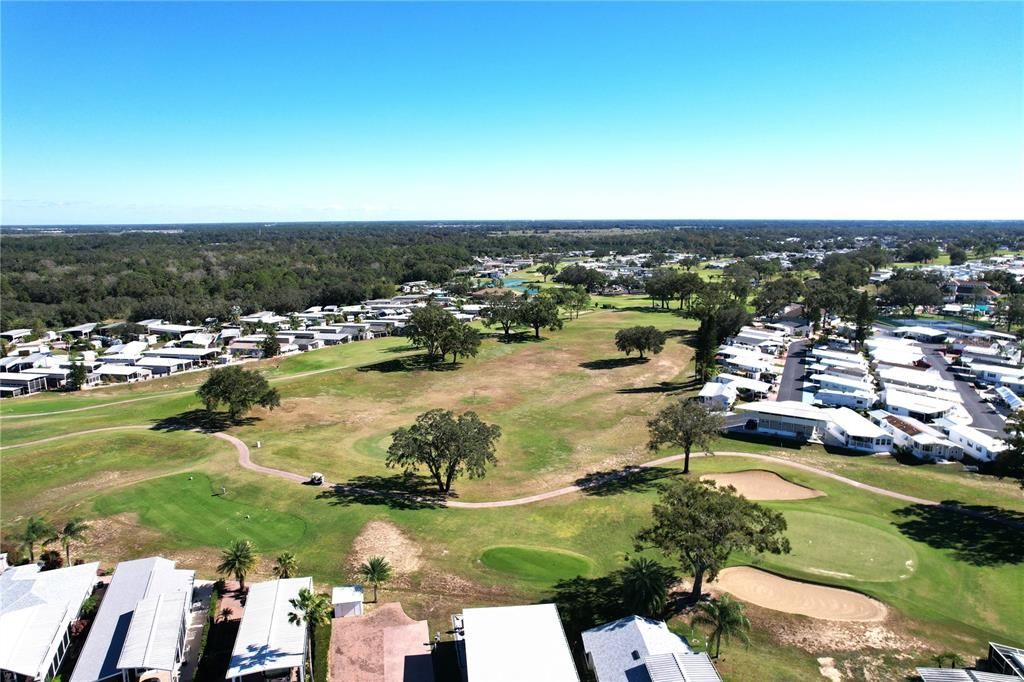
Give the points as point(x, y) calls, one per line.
point(978, 445)
point(37, 609)
point(141, 623)
point(268, 644)
point(540, 649)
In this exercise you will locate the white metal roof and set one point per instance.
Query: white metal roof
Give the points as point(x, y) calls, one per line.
point(915, 403)
point(132, 582)
point(36, 609)
point(847, 383)
point(121, 370)
point(855, 425)
point(347, 594)
point(517, 643)
point(786, 408)
point(743, 382)
point(677, 667)
point(915, 377)
point(839, 355)
point(152, 638)
point(266, 640)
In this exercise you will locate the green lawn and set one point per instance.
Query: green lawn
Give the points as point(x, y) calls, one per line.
point(542, 565)
point(191, 509)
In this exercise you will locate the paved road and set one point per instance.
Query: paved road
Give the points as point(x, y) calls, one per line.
point(790, 384)
point(983, 416)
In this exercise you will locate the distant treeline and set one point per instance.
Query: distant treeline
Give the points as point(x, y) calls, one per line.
point(194, 272)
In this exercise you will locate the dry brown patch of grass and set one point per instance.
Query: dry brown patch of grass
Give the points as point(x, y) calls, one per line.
point(382, 538)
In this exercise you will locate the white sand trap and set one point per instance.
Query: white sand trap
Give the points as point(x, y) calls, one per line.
point(792, 596)
point(759, 484)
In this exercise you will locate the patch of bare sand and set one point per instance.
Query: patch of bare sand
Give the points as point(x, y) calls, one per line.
point(759, 484)
point(792, 596)
point(381, 538)
point(113, 538)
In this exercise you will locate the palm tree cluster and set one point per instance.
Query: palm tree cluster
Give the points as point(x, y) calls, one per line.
point(39, 531)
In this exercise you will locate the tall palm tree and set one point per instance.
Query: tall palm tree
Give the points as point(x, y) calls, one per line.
point(313, 610)
point(36, 530)
point(286, 566)
point(645, 585)
point(376, 570)
point(73, 531)
point(726, 617)
point(238, 559)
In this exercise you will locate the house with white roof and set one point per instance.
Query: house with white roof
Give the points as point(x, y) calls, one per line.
point(838, 426)
point(921, 440)
point(513, 644)
point(717, 395)
point(975, 443)
point(744, 385)
point(139, 630)
point(619, 652)
point(914, 378)
point(37, 609)
point(268, 644)
point(920, 407)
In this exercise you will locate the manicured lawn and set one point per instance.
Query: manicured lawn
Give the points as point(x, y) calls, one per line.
point(536, 564)
point(191, 509)
point(831, 546)
point(63, 473)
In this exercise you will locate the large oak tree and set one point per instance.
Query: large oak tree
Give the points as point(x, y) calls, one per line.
point(701, 525)
point(448, 446)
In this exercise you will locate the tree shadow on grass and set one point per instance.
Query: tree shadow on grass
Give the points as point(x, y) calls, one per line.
point(201, 420)
point(410, 363)
point(980, 535)
point(398, 491)
point(515, 337)
point(629, 479)
point(613, 363)
point(662, 387)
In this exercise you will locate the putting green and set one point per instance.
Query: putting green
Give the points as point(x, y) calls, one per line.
point(191, 510)
point(826, 546)
point(536, 564)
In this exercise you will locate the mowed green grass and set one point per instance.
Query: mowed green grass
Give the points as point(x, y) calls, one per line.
point(60, 474)
point(847, 547)
point(536, 564)
point(191, 508)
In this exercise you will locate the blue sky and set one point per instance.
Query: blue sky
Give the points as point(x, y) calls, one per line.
point(200, 112)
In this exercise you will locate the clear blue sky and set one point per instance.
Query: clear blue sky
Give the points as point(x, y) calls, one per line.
point(193, 112)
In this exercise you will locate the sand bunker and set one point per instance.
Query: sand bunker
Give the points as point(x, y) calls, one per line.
point(763, 485)
point(792, 596)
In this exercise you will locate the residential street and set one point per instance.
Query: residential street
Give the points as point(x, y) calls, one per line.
point(983, 416)
point(790, 384)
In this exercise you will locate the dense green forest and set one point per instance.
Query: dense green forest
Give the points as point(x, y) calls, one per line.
point(191, 272)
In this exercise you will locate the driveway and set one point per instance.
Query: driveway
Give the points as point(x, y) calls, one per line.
point(983, 416)
point(790, 384)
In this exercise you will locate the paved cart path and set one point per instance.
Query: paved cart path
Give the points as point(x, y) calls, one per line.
point(245, 461)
